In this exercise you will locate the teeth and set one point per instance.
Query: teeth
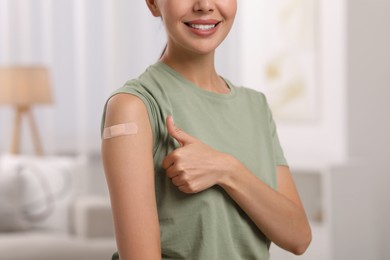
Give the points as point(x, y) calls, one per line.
point(203, 26)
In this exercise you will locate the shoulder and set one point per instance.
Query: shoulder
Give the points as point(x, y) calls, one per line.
point(123, 107)
point(250, 91)
point(151, 86)
point(136, 94)
point(124, 102)
point(251, 94)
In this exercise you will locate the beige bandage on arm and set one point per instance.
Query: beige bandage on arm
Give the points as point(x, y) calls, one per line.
point(120, 130)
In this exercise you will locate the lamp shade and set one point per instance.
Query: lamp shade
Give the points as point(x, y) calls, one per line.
point(24, 85)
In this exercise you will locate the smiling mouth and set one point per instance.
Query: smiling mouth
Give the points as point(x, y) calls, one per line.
point(202, 27)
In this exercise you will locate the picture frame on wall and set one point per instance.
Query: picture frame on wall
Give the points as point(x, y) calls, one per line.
point(290, 66)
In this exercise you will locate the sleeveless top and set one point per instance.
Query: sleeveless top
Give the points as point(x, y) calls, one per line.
point(207, 225)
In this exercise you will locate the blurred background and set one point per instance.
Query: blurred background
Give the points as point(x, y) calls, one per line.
point(324, 66)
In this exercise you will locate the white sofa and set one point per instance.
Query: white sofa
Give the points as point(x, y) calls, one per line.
point(47, 213)
point(91, 238)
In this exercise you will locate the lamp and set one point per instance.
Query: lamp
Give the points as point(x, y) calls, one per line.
point(23, 87)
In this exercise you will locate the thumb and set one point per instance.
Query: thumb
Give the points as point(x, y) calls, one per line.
point(182, 137)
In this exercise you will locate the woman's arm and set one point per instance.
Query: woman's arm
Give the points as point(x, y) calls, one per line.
point(128, 164)
point(279, 214)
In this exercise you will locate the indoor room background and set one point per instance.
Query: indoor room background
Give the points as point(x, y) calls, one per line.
point(324, 66)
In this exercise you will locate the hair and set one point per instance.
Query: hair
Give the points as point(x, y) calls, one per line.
point(163, 51)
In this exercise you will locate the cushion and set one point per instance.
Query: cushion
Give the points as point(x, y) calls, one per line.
point(11, 197)
point(35, 192)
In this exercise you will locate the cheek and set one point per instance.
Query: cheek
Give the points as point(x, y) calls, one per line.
point(171, 14)
point(228, 9)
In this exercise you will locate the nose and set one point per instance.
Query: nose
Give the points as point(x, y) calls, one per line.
point(204, 6)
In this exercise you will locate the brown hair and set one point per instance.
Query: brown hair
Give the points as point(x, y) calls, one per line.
point(162, 53)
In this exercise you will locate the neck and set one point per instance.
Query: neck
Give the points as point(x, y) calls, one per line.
point(197, 68)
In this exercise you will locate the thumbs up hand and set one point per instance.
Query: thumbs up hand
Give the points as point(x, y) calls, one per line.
point(182, 137)
point(194, 166)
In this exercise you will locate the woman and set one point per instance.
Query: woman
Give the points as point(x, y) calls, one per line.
point(214, 184)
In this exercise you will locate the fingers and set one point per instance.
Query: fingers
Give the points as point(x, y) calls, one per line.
point(182, 137)
point(168, 161)
point(184, 185)
point(184, 181)
point(178, 177)
point(172, 172)
point(176, 162)
point(178, 181)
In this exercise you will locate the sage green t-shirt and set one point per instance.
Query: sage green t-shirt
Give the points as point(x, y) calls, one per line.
point(208, 225)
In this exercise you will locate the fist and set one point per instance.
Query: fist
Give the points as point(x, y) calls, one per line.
point(194, 166)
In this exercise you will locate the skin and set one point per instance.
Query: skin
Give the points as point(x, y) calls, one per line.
point(193, 167)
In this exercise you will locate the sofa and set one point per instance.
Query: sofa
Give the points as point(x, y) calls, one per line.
point(45, 212)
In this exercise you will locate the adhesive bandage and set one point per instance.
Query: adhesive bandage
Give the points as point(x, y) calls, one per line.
point(120, 130)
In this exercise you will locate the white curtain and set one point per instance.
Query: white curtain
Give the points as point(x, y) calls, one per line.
point(91, 47)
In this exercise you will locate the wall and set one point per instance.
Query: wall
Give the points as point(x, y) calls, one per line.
point(323, 140)
point(350, 137)
point(361, 193)
point(92, 47)
point(369, 78)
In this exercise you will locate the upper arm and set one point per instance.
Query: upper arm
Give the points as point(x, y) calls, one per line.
point(286, 185)
point(129, 169)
